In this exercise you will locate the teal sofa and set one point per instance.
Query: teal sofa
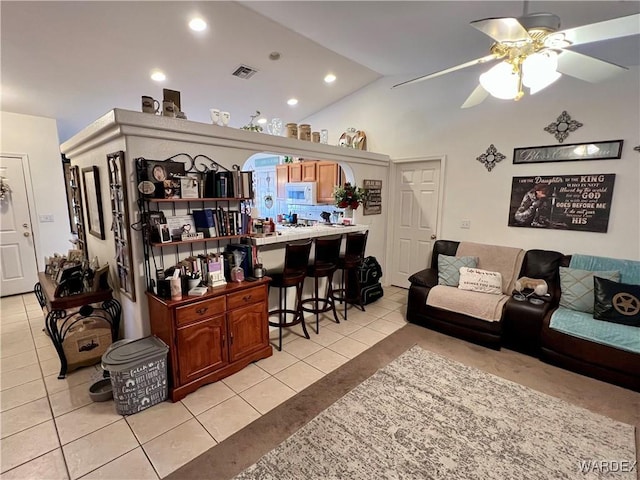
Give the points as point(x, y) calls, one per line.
point(575, 340)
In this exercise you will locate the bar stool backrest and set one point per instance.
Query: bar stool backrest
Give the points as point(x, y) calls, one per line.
point(327, 250)
point(296, 257)
point(356, 244)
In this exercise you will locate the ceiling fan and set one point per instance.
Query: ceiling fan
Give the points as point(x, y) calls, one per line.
point(534, 53)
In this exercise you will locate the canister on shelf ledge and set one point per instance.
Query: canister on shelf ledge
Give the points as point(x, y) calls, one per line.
point(304, 132)
point(292, 130)
point(315, 137)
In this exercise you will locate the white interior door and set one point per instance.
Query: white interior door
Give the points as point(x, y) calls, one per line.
point(415, 218)
point(18, 267)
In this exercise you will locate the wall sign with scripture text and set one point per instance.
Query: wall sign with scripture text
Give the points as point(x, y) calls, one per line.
point(567, 202)
point(373, 202)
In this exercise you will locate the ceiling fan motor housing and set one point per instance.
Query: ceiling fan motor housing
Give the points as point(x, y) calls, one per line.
point(540, 21)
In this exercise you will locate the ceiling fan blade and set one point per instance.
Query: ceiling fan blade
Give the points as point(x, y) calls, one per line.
point(502, 29)
point(595, 32)
point(586, 68)
point(471, 63)
point(477, 96)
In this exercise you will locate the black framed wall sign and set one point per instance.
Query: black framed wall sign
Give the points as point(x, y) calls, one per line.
point(93, 201)
point(605, 150)
point(562, 202)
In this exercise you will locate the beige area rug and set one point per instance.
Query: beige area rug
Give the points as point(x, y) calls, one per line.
point(424, 416)
point(246, 447)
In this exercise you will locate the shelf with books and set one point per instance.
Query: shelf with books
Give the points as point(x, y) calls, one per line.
point(215, 212)
point(196, 240)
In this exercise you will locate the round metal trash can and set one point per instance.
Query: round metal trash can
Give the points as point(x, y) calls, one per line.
point(138, 370)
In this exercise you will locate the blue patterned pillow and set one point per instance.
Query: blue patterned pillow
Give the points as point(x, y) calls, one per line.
point(449, 268)
point(577, 287)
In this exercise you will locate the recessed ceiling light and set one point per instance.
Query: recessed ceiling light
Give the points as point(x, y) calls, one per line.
point(330, 78)
point(274, 56)
point(197, 24)
point(292, 101)
point(158, 76)
point(262, 121)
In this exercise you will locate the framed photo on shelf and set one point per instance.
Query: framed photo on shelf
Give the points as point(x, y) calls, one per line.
point(93, 201)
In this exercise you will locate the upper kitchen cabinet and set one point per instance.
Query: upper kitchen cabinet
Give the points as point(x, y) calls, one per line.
point(295, 172)
point(282, 177)
point(309, 171)
point(328, 176)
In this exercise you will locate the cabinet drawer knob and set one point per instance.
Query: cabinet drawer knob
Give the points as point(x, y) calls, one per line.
point(246, 298)
point(202, 310)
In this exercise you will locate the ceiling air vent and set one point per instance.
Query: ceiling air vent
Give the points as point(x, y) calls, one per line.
point(244, 71)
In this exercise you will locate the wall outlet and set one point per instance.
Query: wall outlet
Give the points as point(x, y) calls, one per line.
point(465, 224)
point(46, 218)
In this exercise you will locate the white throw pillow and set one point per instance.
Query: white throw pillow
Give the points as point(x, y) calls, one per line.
point(482, 281)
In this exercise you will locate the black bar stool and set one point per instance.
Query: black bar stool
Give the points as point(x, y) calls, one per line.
point(296, 260)
point(324, 265)
point(349, 263)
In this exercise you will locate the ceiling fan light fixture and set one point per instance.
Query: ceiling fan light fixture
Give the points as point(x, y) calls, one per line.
point(539, 70)
point(501, 81)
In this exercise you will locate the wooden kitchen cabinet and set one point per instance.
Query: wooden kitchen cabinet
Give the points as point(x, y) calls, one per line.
point(282, 177)
point(213, 336)
point(295, 172)
point(327, 176)
point(309, 171)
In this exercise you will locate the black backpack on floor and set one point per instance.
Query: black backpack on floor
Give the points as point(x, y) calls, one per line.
point(369, 275)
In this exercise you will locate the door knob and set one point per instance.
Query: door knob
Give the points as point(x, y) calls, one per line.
point(433, 237)
point(26, 234)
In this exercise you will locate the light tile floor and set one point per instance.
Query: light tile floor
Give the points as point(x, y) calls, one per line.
point(50, 429)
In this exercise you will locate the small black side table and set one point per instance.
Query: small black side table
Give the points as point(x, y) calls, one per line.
point(58, 321)
point(522, 324)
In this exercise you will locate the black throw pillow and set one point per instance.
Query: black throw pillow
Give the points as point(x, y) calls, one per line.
point(616, 302)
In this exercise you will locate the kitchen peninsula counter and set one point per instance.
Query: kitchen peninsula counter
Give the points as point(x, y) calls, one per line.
point(289, 234)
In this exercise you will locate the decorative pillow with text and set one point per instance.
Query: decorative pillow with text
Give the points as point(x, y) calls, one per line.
point(449, 268)
point(482, 281)
point(616, 302)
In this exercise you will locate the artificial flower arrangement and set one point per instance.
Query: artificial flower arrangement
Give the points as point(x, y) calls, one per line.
point(348, 196)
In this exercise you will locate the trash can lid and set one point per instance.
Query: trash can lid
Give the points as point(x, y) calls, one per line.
point(125, 354)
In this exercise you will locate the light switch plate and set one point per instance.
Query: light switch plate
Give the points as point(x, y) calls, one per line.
point(465, 224)
point(46, 218)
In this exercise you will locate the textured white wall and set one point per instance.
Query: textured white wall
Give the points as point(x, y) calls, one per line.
point(424, 120)
point(37, 137)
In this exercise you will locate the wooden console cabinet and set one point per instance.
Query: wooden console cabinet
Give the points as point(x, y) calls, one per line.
point(213, 336)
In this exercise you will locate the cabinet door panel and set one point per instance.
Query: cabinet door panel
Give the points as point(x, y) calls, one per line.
point(201, 348)
point(295, 172)
point(327, 176)
point(309, 171)
point(248, 330)
point(282, 177)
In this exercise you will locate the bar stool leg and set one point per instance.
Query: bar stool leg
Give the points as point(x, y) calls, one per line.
point(331, 300)
point(300, 313)
point(315, 279)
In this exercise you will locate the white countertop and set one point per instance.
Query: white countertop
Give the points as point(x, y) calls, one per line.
point(288, 234)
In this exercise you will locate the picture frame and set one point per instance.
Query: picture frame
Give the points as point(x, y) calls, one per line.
point(604, 150)
point(93, 201)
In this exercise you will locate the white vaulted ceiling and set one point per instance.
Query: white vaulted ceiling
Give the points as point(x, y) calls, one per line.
point(74, 61)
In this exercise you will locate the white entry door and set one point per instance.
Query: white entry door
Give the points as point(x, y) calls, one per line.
point(18, 267)
point(415, 218)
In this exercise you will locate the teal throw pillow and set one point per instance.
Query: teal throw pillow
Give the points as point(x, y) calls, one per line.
point(449, 268)
point(577, 287)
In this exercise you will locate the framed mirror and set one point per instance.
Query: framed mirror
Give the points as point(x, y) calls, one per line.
point(93, 201)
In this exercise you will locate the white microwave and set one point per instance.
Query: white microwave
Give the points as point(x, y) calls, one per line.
point(301, 193)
